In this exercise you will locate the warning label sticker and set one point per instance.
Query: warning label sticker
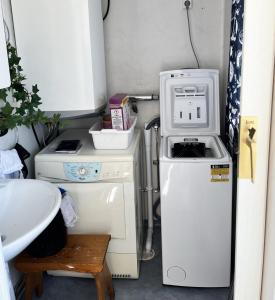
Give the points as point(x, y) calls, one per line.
point(219, 173)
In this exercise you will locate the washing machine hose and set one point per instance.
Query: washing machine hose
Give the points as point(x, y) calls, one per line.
point(155, 122)
point(152, 123)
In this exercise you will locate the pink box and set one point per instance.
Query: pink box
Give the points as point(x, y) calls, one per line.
point(120, 111)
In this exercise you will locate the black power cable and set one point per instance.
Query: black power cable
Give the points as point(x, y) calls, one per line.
point(190, 36)
point(36, 137)
point(107, 11)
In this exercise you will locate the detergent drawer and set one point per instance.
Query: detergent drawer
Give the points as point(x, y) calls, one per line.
point(100, 208)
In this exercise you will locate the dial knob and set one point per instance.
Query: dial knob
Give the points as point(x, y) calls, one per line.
point(82, 171)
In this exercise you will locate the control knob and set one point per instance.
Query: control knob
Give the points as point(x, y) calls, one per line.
point(82, 171)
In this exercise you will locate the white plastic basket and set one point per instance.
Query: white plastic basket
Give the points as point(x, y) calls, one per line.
point(108, 139)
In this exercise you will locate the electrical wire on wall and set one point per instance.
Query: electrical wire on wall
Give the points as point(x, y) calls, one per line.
point(187, 4)
point(7, 31)
point(107, 10)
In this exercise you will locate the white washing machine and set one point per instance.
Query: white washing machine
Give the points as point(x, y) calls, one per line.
point(105, 186)
point(196, 181)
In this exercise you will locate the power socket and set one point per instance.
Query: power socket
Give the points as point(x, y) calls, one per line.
point(186, 4)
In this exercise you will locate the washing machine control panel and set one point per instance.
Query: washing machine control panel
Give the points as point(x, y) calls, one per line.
point(82, 172)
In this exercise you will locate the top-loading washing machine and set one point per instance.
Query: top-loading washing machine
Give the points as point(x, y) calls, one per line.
point(196, 181)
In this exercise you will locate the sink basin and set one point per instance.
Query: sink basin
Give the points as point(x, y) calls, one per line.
point(26, 208)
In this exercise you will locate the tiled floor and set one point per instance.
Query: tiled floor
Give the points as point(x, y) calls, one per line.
point(148, 287)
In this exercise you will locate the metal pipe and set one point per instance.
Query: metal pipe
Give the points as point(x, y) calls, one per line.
point(149, 187)
point(144, 97)
point(149, 252)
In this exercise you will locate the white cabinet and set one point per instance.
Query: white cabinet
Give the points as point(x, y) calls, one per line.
point(4, 65)
point(62, 48)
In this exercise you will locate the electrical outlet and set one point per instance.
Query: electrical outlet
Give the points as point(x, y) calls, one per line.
point(186, 3)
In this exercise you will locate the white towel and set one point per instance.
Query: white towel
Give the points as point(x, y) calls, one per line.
point(68, 210)
point(9, 163)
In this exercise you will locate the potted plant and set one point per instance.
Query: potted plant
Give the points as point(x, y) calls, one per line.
point(19, 106)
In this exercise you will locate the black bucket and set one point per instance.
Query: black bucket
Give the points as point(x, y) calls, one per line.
point(51, 240)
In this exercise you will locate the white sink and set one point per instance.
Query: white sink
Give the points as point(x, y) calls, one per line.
point(26, 208)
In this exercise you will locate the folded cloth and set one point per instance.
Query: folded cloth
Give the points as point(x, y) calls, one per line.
point(68, 210)
point(14, 175)
point(9, 162)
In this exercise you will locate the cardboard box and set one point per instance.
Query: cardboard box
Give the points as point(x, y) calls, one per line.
point(120, 111)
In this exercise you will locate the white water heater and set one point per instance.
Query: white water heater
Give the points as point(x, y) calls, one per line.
point(62, 48)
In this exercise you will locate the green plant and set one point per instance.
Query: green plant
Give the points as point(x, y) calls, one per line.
point(23, 109)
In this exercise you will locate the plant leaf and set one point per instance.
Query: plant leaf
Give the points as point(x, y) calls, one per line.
point(35, 89)
point(7, 109)
point(3, 94)
point(26, 110)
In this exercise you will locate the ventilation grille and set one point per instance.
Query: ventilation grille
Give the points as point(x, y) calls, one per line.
point(121, 275)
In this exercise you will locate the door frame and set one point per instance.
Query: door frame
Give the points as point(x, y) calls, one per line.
point(256, 100)
point(268, 280)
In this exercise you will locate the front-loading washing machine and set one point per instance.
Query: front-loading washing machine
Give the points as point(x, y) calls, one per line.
point(196, 181)
point(105, 187)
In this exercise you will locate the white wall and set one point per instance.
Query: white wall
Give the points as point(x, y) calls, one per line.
point(145, 37)
point(26, 137)
point(256, 98)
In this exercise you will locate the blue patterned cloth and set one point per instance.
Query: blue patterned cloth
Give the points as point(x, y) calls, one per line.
point(234, 77)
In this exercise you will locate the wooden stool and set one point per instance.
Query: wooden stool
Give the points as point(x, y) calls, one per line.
point(83, 253)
